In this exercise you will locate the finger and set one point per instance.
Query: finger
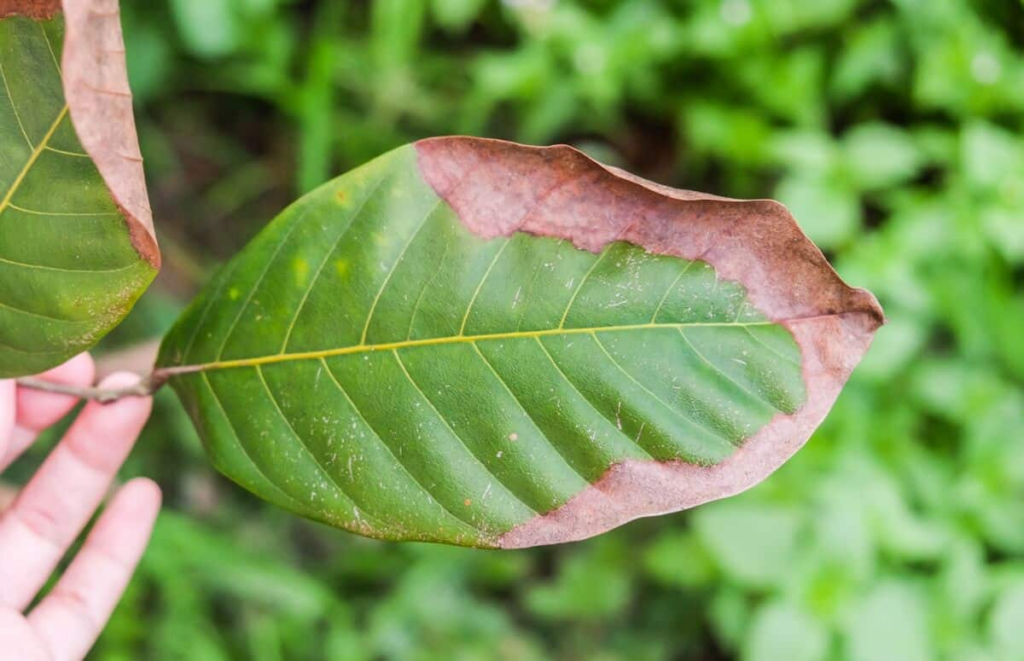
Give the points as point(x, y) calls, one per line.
point(18, 640)
point(57, 503)
point(6, 416)
point(71, 617)
point(37, 410)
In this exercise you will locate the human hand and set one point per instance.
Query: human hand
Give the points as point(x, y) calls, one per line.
point(54, 507)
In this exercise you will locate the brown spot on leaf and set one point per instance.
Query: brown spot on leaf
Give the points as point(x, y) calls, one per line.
point(467, 502)
point(498, 188)
point(341, 196)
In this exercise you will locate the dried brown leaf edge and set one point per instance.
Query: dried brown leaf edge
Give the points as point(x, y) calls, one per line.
point(100, 104)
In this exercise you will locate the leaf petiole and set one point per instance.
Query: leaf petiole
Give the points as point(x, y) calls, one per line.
point(143, 388)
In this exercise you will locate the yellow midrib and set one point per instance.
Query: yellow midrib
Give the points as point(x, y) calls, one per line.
point(32, 159)
point(433, 341)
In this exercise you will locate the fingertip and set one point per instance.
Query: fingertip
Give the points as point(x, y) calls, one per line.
point(132, 405)
point(142, 493)
point(37, 410)
point(120, 380)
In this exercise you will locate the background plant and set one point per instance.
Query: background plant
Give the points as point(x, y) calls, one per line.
point(891, 129)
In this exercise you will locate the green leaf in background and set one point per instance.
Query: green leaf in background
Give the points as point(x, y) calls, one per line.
point(1004, 622)
point(676, 558)
point(781, 631)
point(754, 545)
point(575, 595)
point(208, 27)
point(487, 344)
point(830, 207)
point(880, 155)
point(889, 622)
point(76, 234)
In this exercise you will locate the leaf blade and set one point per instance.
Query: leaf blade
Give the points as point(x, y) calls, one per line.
point(506, 373)
point(76, 250)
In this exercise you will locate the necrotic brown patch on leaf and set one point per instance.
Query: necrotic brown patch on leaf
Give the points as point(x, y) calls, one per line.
point(498, 188)
point(37, 9)
point(100, 103)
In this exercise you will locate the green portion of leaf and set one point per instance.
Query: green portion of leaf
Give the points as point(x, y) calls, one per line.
point(369, 362)
point(68, 271)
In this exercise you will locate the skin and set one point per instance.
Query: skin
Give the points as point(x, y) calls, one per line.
point(52, 509)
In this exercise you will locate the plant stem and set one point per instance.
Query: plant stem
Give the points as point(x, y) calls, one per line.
point(143, 388)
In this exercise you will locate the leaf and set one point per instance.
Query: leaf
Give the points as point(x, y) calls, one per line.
point(782, 631)
point(77, 246)
point(754, 545)
point(878, 155)
point(482, 343)
point(676, 559)
point(832, 209)
point(573, 594)
point(1004, 622)
point(891, 622)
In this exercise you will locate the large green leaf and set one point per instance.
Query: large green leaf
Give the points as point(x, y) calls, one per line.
point(482, 343)
point(76, 239)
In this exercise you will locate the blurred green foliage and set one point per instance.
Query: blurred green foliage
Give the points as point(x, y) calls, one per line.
point(892, 129)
